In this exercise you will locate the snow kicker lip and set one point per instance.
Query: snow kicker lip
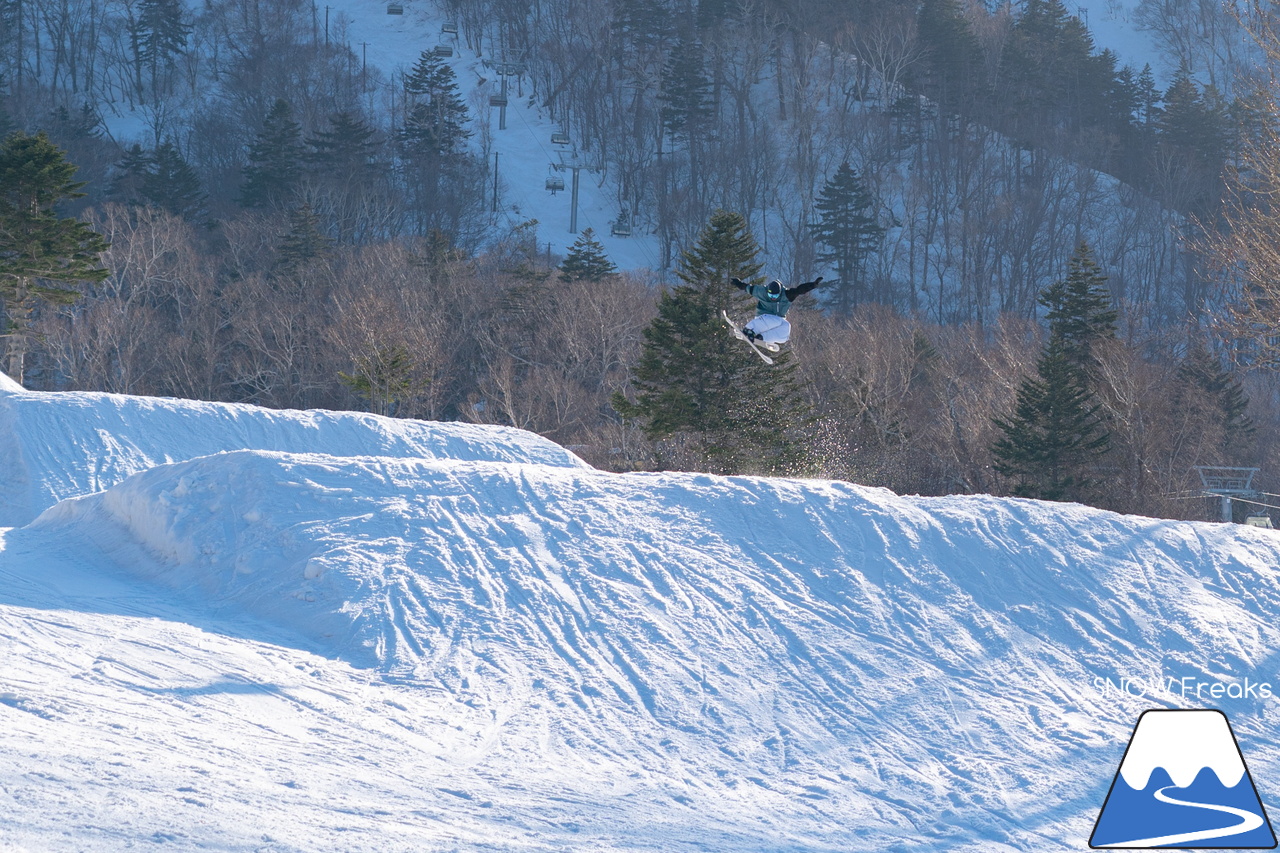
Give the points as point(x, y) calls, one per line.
point(58, 445)
point(1183, 782)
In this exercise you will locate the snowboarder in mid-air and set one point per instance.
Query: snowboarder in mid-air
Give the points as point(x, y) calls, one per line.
point(770, 328)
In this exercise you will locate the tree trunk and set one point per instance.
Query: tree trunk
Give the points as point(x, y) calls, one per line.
point(19, 310)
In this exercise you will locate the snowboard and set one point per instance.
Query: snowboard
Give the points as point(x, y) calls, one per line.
point(737, 333)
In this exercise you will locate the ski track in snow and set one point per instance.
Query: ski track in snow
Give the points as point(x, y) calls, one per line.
point(490, 646)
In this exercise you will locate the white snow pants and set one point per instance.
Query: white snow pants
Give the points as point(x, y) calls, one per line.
point(771, 328)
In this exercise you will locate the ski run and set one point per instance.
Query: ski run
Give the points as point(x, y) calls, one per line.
point(229, 628)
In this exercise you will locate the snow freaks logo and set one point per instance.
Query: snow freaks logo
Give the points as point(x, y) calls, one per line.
point(1183, 783)
point(1186, 687)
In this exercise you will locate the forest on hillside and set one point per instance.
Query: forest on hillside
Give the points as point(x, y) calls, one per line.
point(292, 227)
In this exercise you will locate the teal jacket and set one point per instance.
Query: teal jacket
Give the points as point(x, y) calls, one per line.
point(780, 306)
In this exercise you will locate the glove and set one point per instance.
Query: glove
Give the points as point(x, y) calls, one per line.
point(739, 283)
point(818, 280)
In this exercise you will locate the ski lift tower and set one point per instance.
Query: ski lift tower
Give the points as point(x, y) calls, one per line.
point(505, 63)
point(576, 163)
point(1227, 483)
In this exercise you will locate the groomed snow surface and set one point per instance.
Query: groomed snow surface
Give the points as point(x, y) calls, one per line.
point(235, 629)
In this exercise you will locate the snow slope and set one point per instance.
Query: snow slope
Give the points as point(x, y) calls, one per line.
point(261, 650)
point(54, 446)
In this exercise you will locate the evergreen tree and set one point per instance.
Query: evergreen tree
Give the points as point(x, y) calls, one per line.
point(1079, 310)
point(385, 377)
point(1148, 98)
point(953, 58)
point(348, 148)
point(686, 93)
point(172, 184)
point(1200, 369)
point(345, 174)
point(436, 118)
point(849, 229)
point(1189, 122)
point(162, 35)
point(304, 242)
point(1192, 144)
point(695, 381)
point(41, 254)
point(444, 183)
point(130, 174)
point(275, 160)
point(713, 14)
point(586, 260)
point(1055, 433)
point(68, 127)
point(1054, 81)
point(641, 25)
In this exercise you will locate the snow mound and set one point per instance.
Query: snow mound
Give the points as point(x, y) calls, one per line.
point(60, 445)
point(9, 385)
point(858, 667)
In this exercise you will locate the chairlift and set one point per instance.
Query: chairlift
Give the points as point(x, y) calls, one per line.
point(444, 50)
point(449, 28)
point(555, 183)
point(621, 227)
point(395, 9)
point(498, 100)
point(1259, 519)
point(559, 137)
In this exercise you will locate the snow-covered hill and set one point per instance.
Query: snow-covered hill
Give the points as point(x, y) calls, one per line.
point(62, 445)
point(503, 649)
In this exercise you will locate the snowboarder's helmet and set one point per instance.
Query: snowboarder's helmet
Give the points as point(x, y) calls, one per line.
point(774, 290)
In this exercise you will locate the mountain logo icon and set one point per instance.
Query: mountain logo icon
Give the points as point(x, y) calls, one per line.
point(1183, 783)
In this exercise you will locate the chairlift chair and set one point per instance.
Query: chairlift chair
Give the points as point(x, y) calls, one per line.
point(559, 137)
point(444, 50)
point(555, 183)
point(498, 100)
point(621, 227)
point(449, 28)
point(395, 9)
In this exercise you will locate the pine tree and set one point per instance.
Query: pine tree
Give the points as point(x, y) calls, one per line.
point(954, 57)
point(586, 260)
point(641, 25)
point(850, 230)
point(172, 184)
point(694, 380)
point(348, 148)
point(130, 173)
point(67, 126)
point(40, 253)
point(1055, 434)
point(1054, 80)
point(444, 182)
point(1188, 121)
point(1148, 97)
point(686, 93)
point(436, 118)
point(385, 377)
point(275, 160)
point(1192, 144)
point(1080, 312)
point(162, 35)
point(1200, 369)
point(304, 242)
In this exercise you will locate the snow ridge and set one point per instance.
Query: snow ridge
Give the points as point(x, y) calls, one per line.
point(60, 445)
